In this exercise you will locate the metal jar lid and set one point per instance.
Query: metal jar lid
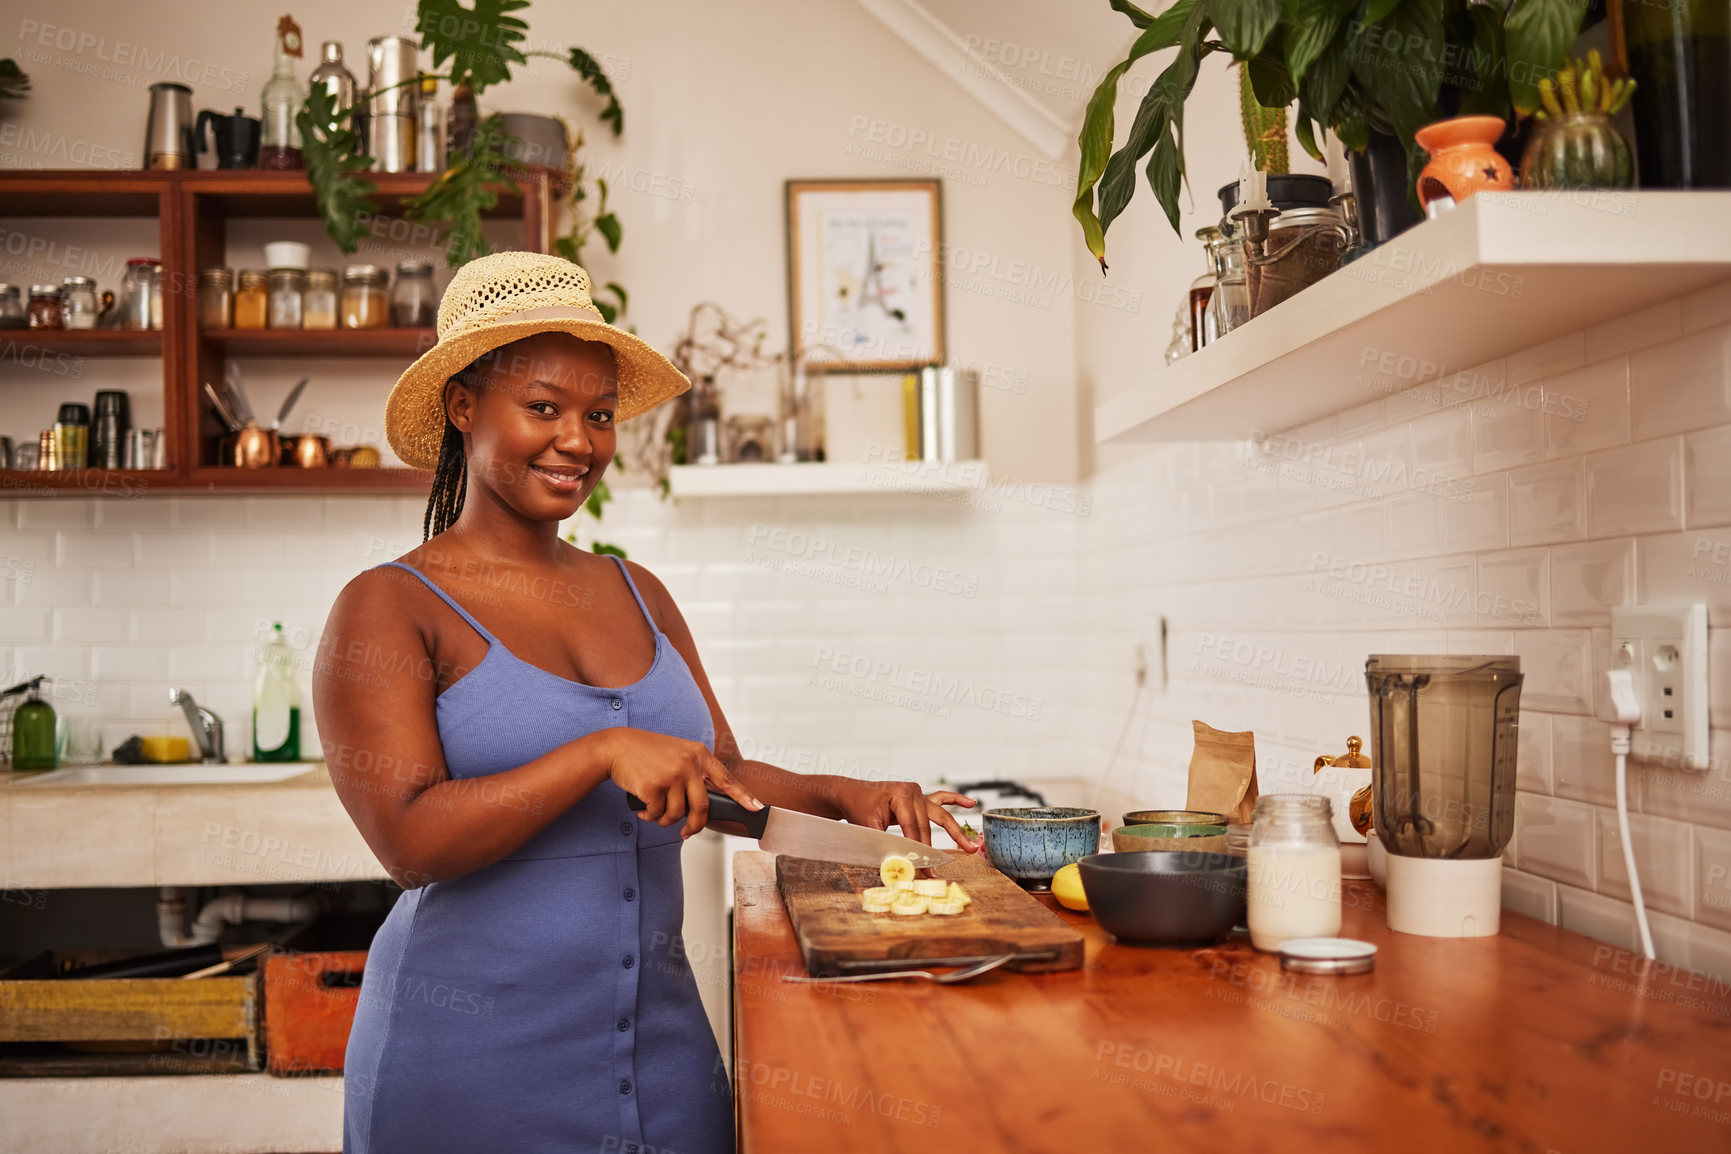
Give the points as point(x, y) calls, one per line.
point(321, 278)
point(252, 277)
point(78, 282)
point(1327, 956)
point(415, 268)
point(9, 290)
point(1301, 217)
point(216, 276)
point(366, 274)
point(44, 290)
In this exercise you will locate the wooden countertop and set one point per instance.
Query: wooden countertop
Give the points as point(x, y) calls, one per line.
point(1536, 1040)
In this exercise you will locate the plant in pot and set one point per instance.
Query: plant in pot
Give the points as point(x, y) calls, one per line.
point(1372, 71)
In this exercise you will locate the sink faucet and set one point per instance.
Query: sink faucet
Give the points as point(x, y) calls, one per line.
point(206, 726)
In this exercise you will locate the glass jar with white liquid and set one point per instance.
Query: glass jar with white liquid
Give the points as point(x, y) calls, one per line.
point(1293, 870)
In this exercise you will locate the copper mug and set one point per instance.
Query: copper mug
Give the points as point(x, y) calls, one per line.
point(311, 452)
point(256, 448)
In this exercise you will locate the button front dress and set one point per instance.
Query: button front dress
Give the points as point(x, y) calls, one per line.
point(543, 1003)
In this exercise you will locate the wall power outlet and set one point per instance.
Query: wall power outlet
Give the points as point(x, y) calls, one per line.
point(1665, 648)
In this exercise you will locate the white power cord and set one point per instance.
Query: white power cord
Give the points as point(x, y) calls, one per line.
point(1624, 710)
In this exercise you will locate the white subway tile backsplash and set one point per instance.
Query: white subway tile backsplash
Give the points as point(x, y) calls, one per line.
point(1581, 763)
point(1664, 857)
point(133, 587)
point(1707, 307)
point(1558, 667)
point(1533, 754)
point(1685, 569)
point(79, 624)
point(56, 513)
point(20, 624)
point(224, 663)
point(1475, 513)
point(94, 550)
point(1587, 580)
point(1636, 489)
point(1529, 894)
point(1597, 916)
point(1546, 503)
point(54, 587)
point(1587, 409)
point(129, 663)
point(1650, 326)
point(1707, 478)
point(1701, 796)
point(1557, 839)
point(1548, 359)
point(1680, 386)
point(1507, 432)
point(1415, 524)
point(1712, 866)
point(1513, 589)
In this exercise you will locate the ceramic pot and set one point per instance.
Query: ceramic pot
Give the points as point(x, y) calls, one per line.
point(1578, 150)
point(1031, 843)
point(1380, 191)
point(1463, 158)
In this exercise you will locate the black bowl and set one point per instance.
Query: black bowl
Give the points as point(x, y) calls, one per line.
point(1165, 897)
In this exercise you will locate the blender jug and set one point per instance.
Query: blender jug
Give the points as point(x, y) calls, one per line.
point(1444, 733)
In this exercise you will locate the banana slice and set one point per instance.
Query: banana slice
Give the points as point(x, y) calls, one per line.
point(906, 885)
point(909, 905)
point(931, 887)
point(896, 868)
point(874, 906)
point(885, 894)
point(957, 894)
point(945, 907)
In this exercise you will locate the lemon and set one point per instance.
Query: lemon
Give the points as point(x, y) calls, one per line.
point(1067, 888)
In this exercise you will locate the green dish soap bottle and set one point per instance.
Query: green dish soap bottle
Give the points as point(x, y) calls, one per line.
point(276, 702)
point(34, 743)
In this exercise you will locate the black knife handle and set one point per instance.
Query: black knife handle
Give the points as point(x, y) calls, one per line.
point(723, 808)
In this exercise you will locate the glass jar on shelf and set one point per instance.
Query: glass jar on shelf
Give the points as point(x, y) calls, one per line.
point(1229, 303)
point(414, 301)
point(136, 293)
point(284, 287)
point(319, 302)
point(216, 298)
point(45, 306)
point(12, 311)
point(365, 304)
point(78, 304)
point(250, 299)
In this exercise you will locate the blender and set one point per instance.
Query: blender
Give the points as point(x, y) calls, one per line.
point(1444, 733)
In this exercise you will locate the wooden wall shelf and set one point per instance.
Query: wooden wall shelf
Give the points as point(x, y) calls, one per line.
point(192, 211)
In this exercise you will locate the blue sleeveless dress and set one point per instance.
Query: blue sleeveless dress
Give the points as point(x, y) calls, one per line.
point(543, 1003)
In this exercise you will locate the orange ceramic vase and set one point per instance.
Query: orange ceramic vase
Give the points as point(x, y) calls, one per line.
point(1463, 158)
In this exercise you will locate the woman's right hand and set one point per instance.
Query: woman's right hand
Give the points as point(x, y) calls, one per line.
point(672, 776)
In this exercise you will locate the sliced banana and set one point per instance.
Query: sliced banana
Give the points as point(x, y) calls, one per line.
point(931, 887)
point(957, 894)
point(896, 868)
point(885, 894)
point(909, 905)
point(873, 905)
point(906, 885)
point(945, 907)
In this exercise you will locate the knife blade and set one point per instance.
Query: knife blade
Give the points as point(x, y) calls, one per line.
point(795, 834)
point(282, 413)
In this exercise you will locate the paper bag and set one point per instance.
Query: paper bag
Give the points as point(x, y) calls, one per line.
point(1223, 773)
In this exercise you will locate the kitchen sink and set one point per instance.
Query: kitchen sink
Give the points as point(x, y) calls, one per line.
point(220, 774)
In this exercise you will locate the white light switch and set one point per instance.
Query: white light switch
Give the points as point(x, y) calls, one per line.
point(1665, 648)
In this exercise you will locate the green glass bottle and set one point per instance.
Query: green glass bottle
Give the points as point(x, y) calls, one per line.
point(33, 740)
point(276, 703)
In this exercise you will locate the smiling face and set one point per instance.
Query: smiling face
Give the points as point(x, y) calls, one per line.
point(538, 434)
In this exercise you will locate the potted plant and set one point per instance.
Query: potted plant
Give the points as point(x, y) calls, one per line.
point(1365, 69)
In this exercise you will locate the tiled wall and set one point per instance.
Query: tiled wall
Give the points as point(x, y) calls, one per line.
point(997, 633)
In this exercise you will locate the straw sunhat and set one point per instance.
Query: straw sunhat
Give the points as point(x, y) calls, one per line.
point(493, 301)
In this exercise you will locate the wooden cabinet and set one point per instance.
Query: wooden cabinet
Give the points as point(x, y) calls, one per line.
point(192, 211)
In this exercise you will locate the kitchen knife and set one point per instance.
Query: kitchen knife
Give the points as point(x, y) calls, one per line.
point(294, 395)
point(796, 834)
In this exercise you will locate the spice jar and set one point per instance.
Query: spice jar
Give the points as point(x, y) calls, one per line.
point(319, 301)
point(45, 306)
point(216, 298)
point(414, 303)
point(72, 436)
point(78, 307)
point(249, 299)
point(285, 286)
point(366, 304)
point(12, 314)
point(1293, 870)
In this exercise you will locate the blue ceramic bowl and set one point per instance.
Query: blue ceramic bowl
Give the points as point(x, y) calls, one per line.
point(1031, 843)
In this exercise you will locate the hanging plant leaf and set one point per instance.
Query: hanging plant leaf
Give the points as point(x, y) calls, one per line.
point(14, 84)
point(1165, 170)
point(1325, 80)
point(1095, 138)
point(1161, 114)
point(589, 69)
point(1538, 34)
point(467, 188)
point(1486, 89)
point(607, 225)
point(1244, 24)
point(1137, 17)
point(334, 163)
point(1306, 135)
point(1270, 80)
point(1311, 26)
point(608, 550)
point(480, 42)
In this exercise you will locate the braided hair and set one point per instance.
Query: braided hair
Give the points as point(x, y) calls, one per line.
point(451, 474)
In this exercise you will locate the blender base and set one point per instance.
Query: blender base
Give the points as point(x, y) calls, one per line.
point(1445, 898)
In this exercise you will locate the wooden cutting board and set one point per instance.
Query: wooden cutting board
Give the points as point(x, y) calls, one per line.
point(837, 936)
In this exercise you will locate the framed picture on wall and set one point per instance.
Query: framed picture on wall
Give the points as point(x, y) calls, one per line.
point(864, 291)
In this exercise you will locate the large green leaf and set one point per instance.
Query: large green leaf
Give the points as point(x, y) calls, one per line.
point(1485, 90)
point(1376, 11)
point(465, 190)
point(1306, 135)
point(14, 84)
point(1324, 81)
point(590, 70)
point(1162, 109)
point(1095, 139)
point(1399, 65)
point(1310, 27)
point(1270, 80)
point(1244, 24)
point(1538, 34)
point(334, 163)
point(1165, 168)
point(1351, 119)
point(480, 42)
point(1137, 16)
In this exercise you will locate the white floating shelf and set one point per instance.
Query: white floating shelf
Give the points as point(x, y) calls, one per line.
point(826, 478)
point(170, 1114)
point(1502, 272)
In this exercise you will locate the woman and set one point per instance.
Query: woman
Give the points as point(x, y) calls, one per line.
point(486, 704)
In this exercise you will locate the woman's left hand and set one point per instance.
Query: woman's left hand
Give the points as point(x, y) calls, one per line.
point(883, 804)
